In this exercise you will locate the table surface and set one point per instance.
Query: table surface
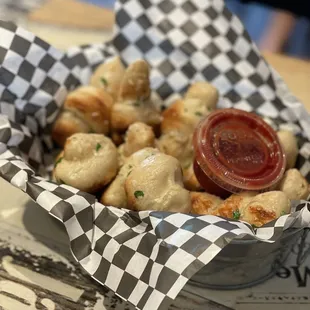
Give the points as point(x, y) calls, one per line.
point(34, 257)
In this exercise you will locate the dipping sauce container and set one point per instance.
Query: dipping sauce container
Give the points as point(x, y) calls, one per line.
point(237, 151)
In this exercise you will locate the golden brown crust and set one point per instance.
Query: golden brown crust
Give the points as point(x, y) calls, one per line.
point(265, 207)
point(109, 76)
point(136, 83)
point(247, 206)
point(66, 125)
point(204, 203)
point(123, 116)
point(205, 92)
point(190, 181)
point(229, 206)
point(86, 109)
point(92, 105)
point(134, 103)
point(234, 204)
point(172, 117)
point(138, 136)
point(261, 215)
point(184, 114)
point(119, 200)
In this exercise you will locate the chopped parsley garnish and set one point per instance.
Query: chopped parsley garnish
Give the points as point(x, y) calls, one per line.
point(98, 147)
point(198, 113)
point(254, 226)
point(130, 170)
point(283, 213)
point(187, 165)
point(138, 194)
point(104, 81)
point(137, 104)
point(236, 214)
point(58, 161)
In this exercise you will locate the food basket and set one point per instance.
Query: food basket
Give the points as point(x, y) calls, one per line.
point(147, 257)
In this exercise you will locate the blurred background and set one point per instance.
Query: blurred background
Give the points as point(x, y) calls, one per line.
point(276, 26)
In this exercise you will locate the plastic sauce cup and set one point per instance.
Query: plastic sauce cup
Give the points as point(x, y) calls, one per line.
point(237, 151)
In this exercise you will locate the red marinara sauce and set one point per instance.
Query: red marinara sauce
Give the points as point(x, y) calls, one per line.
point(237, 151)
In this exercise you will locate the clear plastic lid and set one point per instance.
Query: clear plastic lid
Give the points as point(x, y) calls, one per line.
point(238, 151)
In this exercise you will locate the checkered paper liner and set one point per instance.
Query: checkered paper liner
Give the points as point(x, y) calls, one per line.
point(144, 257)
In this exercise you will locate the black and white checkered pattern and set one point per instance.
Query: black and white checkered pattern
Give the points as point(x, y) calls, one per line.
point(35, 78)
point(186, 41)
point(144, 257)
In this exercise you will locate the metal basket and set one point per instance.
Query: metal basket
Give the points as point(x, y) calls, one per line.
point(245, 263)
